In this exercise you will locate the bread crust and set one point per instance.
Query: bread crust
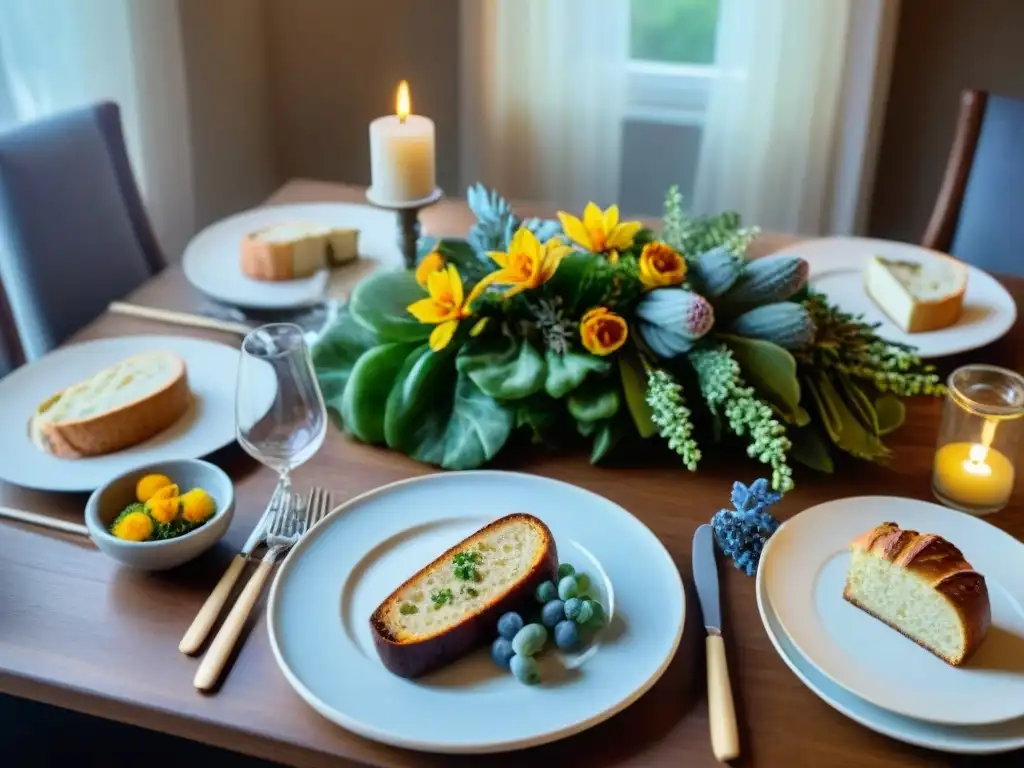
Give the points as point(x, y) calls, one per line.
point(120, 428)
point(943, 567)
point(413, 658)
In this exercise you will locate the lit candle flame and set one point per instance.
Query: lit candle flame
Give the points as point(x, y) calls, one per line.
point(978, 452)
point(403, 106)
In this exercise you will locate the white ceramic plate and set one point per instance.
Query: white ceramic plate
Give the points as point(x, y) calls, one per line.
point(208, 425)
point(804, 571)
point(332, 581)
point(211, 260)
point(837, 267)
point(969, 739)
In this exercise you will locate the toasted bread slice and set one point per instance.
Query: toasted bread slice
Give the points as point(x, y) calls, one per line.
point(439, 615)
point(118, 407)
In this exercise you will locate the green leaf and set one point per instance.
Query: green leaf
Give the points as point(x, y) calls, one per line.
point(466, 260)
point(890, 412)
point(541, 415)
point(851, 436)
point(335, 354)
point(859, 403)
point(771, 370)
point(607, 436)
point(634, 387)
point(597, 399)
point(828, 413)
point(381, 302)
point(424, 379)
point(810, 449)
point(506, 368)
point(566, 372)
point(365, 399)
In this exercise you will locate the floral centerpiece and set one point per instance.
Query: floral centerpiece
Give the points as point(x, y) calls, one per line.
point(599, 327)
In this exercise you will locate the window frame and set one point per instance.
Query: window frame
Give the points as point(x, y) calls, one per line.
point(668, 93)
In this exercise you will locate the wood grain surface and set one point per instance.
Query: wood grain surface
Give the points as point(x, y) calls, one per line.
point(78, 631)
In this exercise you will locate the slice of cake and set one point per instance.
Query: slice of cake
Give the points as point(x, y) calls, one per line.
point(920, 585)
point(116, 408)
point(917, 297)
point(294, 250)
point(450, 607)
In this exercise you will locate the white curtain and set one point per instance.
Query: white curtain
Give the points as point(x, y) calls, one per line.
point(542, 96)
point(791, 128)
point(60, 54)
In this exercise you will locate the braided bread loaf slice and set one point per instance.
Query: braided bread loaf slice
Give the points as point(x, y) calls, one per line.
point(921, 586)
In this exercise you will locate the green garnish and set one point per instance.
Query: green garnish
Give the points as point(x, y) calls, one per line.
point(442, 597)
point(464, 565)
point(471, 591)
point(406, 608)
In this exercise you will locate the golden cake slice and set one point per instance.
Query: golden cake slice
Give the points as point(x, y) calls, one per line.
point(921, 586)
point(452, 605)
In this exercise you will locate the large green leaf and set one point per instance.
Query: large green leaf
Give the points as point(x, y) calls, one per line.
point(363, 404)
point(634, 387)
point(890, 412)
point(771, 370)
point(858, 402)
point(566, 372)
point(425, 379)
point(607, 435)
point(504, 367)
point(810, 448)
point(541, 415)
point(597, 399)
point(335, 354)
point(826, 410)
point(381, 302)
point(461, 254)
point(572, 281)
point(851, 436)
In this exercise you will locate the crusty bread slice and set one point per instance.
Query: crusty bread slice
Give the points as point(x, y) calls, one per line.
point(114, 409)
point(918, 297)
point(293, 250)
point(436, 617)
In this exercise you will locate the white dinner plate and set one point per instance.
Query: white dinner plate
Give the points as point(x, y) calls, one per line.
point(837, 267)
point(325, 591)
point(208, 425)
point(964, 739)
point(212, 259)
point(804, 571)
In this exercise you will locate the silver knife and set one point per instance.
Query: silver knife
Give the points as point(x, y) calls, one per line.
point(725, 742)
point(196, 634)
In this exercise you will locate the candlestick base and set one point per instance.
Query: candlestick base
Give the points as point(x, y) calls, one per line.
point(409, 228)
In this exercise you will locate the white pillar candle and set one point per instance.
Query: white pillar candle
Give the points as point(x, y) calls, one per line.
point(402, 154)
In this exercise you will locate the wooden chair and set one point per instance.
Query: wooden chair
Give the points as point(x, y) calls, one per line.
point(979, 214)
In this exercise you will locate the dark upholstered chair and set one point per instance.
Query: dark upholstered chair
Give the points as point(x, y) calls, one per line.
point(73, 231)
point(979, 215)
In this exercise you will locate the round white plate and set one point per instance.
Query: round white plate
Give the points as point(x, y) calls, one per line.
point(212, 259)
point(332, 581)
point(208, 425)
point(837, 267)
point(967, 739)
point(804, 571)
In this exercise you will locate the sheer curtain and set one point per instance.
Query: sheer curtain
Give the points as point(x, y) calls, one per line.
point(543, 93)
point(791, 131)
point(60, 54)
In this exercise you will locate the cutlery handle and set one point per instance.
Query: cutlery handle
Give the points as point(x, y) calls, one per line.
point(44, 521)
point(725, 741)
point(211, 609)
point(178, 318)
point(223, 644)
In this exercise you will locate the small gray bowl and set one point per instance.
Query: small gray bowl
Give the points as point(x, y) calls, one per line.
point(108, 500)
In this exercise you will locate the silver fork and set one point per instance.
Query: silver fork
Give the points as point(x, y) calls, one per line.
point(286, 528)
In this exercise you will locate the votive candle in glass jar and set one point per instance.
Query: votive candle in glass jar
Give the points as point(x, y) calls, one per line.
point(978, 439)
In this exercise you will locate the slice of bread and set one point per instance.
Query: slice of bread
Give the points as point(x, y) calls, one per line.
point(435, 617)
point(118, 407)
point(293, 250)
point(918, 297)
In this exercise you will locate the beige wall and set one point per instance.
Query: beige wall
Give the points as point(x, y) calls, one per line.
point(225, 51)
point(334, 66)
point(943, 46)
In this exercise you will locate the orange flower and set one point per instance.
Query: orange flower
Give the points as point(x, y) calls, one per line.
point(444, 308)
point(602, 331)
point(600, 232)
point(528, 263)
point(197, 506)
point(432, 262)
point(661, 265)
point(148, 485)
point(163, 505)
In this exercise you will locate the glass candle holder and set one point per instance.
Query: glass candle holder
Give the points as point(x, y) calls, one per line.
point(978, 439)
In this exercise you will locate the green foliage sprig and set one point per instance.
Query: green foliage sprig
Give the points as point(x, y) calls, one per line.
point(694, 235)
point(672, 417)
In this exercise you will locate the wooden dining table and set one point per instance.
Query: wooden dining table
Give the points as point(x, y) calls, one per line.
point(80, 632)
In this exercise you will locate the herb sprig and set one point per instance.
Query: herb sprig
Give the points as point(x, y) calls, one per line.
point(443, 596)
point(464, 565)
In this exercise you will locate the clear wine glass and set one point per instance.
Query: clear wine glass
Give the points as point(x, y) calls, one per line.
point(280, 419)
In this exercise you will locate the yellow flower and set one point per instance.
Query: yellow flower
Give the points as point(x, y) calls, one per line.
point(445, 306)
point(661, 265)
point(431, 263)
point(602, 331)
point(150, 484)
point(600, 232)
point(163, 505)
point(527, 264)
point(197, 506)
point(135, 526)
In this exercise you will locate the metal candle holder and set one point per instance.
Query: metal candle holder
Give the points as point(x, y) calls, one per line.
point(408, 221)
